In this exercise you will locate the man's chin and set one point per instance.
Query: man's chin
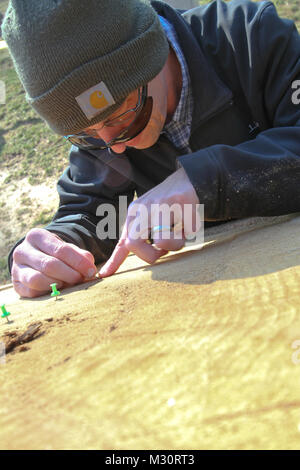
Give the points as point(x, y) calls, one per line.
point(139, 143)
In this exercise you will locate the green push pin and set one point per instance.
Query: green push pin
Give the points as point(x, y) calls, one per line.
point(5, 313)
point(54, 292)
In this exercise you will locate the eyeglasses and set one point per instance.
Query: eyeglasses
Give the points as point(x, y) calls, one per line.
point(136, 119)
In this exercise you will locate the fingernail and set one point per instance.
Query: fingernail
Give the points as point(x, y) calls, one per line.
point(91, 272)
point(102, 272)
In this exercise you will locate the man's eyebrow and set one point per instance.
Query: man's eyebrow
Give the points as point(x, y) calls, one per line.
point(94, 126)
point(111, 116)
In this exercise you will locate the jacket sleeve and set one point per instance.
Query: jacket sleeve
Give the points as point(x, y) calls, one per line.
point(93, 179)
point(259, 177)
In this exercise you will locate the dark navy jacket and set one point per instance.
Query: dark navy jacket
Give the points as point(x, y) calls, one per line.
point(243, 61)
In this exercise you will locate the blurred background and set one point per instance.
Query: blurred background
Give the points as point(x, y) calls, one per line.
point(32, 157)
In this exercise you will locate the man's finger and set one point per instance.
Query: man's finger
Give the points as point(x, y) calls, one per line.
point(32, 279)
point(169, 239)
point(79, 260)
point(50, 266)
point(143, 250)
point(118, 256)
point(24, 291)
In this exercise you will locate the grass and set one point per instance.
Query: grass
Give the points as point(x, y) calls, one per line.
point(31, 154)
point(4, 273)
point(27, 146)
point(43, 218)
point(3, 6)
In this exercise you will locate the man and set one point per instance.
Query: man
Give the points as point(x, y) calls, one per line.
point(200, 107)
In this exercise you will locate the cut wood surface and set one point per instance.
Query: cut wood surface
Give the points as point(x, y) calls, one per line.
point(194, 352)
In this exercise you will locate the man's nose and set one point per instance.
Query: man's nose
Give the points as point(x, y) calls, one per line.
point(106, 134)
point(119, 148)
point(109, 133)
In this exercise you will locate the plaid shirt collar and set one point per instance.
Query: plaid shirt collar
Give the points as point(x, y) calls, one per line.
point(179, 128)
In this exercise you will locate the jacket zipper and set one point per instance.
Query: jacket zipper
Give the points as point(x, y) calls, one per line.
point(225, 106)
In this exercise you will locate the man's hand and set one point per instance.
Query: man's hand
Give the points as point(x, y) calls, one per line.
point(150, 215)
point(43, 259)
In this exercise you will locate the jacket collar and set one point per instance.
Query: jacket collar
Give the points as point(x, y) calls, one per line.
point(209, 92)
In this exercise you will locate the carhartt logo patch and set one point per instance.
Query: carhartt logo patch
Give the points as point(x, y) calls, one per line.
point(95, 100)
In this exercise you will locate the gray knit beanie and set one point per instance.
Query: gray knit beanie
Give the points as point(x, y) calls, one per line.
point(79, 59)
